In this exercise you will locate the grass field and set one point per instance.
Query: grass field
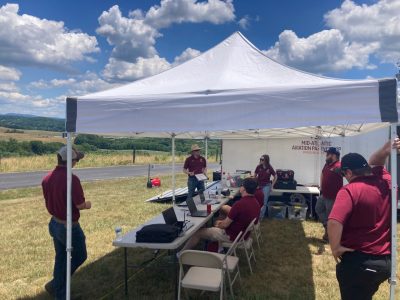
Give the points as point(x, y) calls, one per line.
point(92, 159)
point(30, 135)
point(292, 264)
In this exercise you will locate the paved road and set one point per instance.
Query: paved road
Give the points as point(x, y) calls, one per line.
point(27, 179)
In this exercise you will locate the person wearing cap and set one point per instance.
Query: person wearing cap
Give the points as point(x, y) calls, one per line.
point(263, 173)
point(359, 225)
point(195, 164)
point(331, 183)
point(54, 187)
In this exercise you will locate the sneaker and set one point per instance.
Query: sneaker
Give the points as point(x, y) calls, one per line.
point(49, 288)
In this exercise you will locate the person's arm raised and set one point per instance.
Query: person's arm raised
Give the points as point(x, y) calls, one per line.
point(379, 157)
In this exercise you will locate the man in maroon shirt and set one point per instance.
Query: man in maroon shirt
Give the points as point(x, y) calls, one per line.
point(331, 183)
point(54, 187)
point(239, 217)
point(195, 164)
point(359, 225)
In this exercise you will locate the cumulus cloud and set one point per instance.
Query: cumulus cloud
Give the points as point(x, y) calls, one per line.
point(322, 51)
point(11, 74)
point(378, 23)
point(186, 55)
point(244, 22)
point(118, 71)
point(28, 40)
point(126, 71)
point(180, 11)
point(135, 36)
point(356, 32)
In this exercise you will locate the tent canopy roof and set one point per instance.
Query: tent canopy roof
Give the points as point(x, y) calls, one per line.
point(234, 90)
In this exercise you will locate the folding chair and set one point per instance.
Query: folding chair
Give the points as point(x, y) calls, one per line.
point(257, 233)
point(246, 244)
point(206, 272)
point(231, 263)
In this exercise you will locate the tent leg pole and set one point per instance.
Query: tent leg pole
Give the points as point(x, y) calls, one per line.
point(69, 215)
point(206, 146)
point(393, 168)
point(173, 169)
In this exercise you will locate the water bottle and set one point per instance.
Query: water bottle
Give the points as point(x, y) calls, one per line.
point(118, 233)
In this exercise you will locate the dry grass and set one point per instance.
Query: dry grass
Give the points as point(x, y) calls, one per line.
point(292, 264)
point(93, 159)
point(30, 135)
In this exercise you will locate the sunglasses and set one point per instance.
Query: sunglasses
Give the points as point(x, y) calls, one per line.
point(261, 158)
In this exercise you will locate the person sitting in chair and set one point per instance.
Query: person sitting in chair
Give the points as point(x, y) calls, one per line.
point(240, 215)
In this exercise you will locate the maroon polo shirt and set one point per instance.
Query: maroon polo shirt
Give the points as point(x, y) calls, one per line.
point(259, 195)
point(54, 187)
point(363, 207)
point(264, 174)
point(196, 165)
point(332, 180)
point(242, 213)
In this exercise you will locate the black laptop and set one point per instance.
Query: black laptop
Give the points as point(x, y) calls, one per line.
point(171, 219)
point(193, 209)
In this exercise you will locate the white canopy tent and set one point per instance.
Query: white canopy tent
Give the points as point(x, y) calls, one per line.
point(234, 91)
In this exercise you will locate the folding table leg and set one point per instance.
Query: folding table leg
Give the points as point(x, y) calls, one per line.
point(126, 271)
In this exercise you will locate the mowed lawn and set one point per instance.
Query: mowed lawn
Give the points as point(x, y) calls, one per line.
point(293, 263)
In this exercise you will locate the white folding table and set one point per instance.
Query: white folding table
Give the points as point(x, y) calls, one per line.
point(129, 239)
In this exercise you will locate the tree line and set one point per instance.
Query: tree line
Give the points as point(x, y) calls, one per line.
point(92, 143)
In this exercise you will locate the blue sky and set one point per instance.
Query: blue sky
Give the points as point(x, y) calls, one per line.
point(53, 49)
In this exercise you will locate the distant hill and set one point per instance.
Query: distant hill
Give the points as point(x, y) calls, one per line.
point(20, 121)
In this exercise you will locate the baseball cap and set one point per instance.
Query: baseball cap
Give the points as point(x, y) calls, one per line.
point(333, 150)
point(353, 161)
point(76, 155)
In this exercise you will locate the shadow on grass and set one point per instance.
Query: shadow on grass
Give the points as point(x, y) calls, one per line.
point(283, 271)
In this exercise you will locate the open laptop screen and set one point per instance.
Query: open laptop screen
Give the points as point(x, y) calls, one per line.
point(170, 216)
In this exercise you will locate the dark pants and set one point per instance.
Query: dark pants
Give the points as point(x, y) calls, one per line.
point(359, 274)
point(58, 232)
point(193, 183)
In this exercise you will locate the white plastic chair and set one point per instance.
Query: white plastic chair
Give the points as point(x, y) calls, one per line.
point(246, 244)
point(231, 264)
point(206, 272)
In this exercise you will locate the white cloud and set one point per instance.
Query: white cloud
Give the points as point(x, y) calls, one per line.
point(244, 22)
point(43, 84)
point(356, 33)
point(180, 11)
point(118, 71)
point(28, 40)
point(8, 87)
point(378, 23)
point(126, 71)
point(135, 36)
point(9, 73)
point(186, 55)
point(323, 51)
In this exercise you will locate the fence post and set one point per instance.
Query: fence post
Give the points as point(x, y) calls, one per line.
point(134, 154)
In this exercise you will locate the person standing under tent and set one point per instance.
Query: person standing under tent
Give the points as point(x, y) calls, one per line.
point(331, 183)
point(263, 173)
point(54, 187)
point(195, 164)
point(359, 225)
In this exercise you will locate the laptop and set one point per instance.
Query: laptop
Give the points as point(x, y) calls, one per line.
point(193, 209)
point(171, 219)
